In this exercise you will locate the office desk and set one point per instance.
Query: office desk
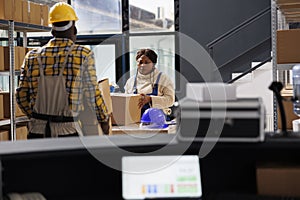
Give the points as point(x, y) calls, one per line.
point(73, 167)
point(136, 129)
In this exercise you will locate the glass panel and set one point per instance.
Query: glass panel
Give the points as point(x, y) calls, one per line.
point(3, 33)
point(151, 16)
point(4, 83)
point(4, 37)
point(49, 2)
point(105, 61)
point(97, 17)
point(163, 45)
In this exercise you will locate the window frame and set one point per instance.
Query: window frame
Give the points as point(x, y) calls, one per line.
point(121, 42)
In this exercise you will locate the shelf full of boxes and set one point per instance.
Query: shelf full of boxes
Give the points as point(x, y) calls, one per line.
point(285, 49)
point(16, 16)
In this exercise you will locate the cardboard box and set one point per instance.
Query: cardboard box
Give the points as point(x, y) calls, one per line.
point(288, 46)
point(278, 180)
point(4, 135)
point(44, 15)
point(6, 59)
point(35, 13)
point(6, 9)
point(25, 11)
point(105, 92)
point(5, 106)
point(125, 108)
point(21, 56)
point(18, 10)
point(287, 1)
point(21, 133)
point(17, 57)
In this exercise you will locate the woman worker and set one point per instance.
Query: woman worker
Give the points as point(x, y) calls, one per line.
point(155, 88)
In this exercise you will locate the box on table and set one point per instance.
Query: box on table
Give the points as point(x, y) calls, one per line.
point(125, 108)
point(6, 9)
point(288, 46)
point(278, 180)
point(105, 92)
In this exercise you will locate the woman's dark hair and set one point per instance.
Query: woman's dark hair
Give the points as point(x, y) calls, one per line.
point(147, 52)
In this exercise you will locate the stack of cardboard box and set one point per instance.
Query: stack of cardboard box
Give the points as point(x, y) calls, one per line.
point(24, 11)
point(288, 52)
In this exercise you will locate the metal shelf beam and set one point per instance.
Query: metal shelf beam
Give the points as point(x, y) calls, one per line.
point(23, 27)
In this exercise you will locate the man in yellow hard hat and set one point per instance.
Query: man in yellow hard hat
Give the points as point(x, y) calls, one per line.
point(57, 78)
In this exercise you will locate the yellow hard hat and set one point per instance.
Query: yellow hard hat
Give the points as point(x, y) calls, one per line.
point(62, 12)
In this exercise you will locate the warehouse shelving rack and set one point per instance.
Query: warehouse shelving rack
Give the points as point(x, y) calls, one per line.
point(283, 12)
point(12, 26)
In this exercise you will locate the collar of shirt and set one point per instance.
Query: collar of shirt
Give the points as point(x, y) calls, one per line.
point(59, 42)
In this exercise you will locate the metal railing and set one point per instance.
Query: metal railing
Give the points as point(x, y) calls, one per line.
point(236, 29)
point(250, 70)
point(243, 53)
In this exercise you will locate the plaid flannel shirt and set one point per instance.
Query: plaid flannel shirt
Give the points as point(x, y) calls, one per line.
point(80, 74)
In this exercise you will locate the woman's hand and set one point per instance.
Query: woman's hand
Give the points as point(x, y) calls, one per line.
point(144, 100)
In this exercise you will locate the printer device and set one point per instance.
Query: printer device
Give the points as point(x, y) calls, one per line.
point(240, 120)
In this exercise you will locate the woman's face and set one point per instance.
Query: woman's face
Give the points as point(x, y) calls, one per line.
point(145, 65)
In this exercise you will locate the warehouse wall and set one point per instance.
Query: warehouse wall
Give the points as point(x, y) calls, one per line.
point(206, 20)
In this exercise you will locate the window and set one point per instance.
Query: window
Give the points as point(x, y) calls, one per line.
point(151, 16)
point(163, 45)
point(105, 61)
point(151, 25)
point(98, 17)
